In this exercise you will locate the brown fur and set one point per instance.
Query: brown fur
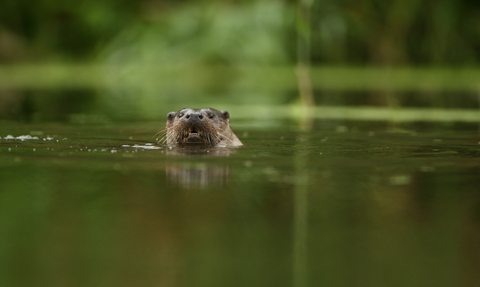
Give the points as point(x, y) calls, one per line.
point(199, 126)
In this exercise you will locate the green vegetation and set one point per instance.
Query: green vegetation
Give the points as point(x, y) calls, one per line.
point(395, 32)
point(138, 55)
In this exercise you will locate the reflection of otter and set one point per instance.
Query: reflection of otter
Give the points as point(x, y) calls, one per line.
point(195, 173)
point(200, 126)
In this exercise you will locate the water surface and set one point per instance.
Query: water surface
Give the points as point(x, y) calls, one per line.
point(345, 203)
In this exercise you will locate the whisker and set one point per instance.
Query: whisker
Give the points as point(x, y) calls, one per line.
point(225, 137)
point(160, 131)
point(163, 139)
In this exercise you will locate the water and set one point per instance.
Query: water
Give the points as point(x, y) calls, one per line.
point(343, 204)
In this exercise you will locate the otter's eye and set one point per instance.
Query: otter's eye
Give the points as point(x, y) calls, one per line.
point(180, 115)
point(210, 115)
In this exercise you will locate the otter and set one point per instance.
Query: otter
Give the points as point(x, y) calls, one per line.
point(204, 126)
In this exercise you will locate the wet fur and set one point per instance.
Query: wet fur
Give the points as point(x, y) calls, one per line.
point(213, 132)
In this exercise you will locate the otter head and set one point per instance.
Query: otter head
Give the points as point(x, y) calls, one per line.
point(200, 126)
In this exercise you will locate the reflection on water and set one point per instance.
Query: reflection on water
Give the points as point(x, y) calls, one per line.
point(345, 204)
point(197, 173)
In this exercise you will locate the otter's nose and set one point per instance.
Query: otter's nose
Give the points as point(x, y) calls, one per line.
point(194, 117)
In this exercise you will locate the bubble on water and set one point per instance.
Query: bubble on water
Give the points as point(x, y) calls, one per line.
point(113, 151)
point(34, 149)
point(9, 137)
point(24, 138)
point(146, 146)
point(9, 149)
point(125, 145)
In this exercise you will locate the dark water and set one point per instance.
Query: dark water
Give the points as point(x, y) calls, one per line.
point(343, 204)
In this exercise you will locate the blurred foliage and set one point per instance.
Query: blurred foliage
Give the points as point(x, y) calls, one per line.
point(59, 30)
point(207, 34)
point(140, 55)
point(259, 32)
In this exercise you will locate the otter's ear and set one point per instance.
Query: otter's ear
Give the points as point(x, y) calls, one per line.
point(225, 115)
point(171, 116)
